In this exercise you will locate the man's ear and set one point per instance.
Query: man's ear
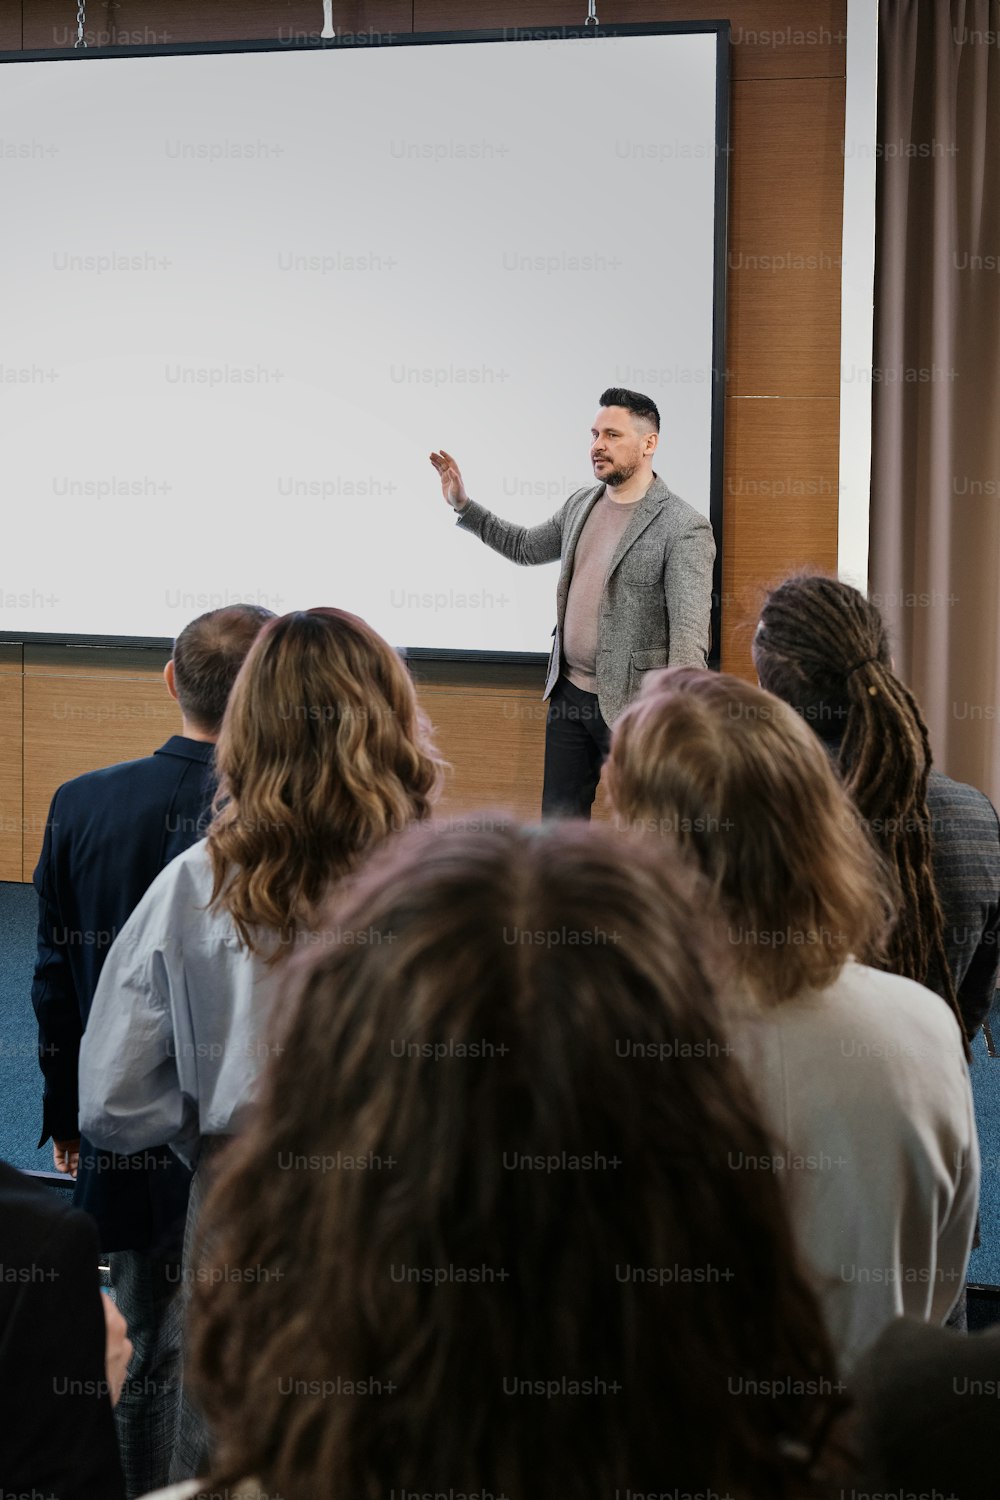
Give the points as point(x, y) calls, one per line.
point(170, 680)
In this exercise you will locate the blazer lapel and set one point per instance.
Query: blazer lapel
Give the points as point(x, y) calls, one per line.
point(573, 536)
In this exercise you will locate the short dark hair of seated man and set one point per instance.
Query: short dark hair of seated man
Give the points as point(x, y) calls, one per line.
point(488, 1201)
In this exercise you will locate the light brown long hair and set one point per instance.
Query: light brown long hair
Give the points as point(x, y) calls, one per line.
point(824, 648)
point(323, 752)
point(733, 777)
point(501, 1144)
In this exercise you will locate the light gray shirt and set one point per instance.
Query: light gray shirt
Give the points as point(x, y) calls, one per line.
point(176, 1037)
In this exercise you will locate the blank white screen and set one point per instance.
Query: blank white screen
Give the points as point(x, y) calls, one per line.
point(322, 266)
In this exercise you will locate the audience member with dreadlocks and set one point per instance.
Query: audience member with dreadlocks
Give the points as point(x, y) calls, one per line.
point(824, 649)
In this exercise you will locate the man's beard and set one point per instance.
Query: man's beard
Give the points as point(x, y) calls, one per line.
point(621, 475)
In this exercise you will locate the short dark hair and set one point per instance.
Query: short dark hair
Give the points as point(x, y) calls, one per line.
point(633, 401)
point(207, 656)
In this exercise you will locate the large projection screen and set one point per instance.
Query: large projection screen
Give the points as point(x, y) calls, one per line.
point(246, 293)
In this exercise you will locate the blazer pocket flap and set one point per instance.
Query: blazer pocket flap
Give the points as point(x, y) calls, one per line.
point(644, 660)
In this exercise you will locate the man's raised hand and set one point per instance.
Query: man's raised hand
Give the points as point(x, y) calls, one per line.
point(452, 488)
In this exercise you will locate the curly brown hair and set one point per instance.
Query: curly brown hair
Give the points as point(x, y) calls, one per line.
point(323, 752)
point(485, 1229)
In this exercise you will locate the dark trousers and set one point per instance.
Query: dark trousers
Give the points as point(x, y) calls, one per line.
point(576, 743)
point(192, 1455)
point(146, 1291)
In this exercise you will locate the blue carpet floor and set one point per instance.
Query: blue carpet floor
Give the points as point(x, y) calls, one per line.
point(984, 1265)
point(20, 1081)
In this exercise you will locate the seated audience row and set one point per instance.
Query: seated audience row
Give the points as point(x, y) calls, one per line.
point(376, 1075)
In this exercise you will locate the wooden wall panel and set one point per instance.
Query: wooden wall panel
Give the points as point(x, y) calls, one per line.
point(10, 25)
point(489, 723)
point(786, 211)
point(770, 38)
point(147, 23)
point(79, 715)
point(11, 763)
point(494, 742)
point(780, 506)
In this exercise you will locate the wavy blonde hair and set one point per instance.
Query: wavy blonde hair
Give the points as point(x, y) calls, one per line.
point(323, 753)
point(732, 776)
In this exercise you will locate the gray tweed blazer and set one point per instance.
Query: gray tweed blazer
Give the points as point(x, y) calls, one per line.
point(656, 606)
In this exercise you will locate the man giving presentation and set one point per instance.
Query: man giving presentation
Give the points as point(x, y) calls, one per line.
point(634, 590)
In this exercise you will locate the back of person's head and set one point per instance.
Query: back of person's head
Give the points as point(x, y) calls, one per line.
point(207, 657)
point(490, 1228)
point(824, 648)
point(732, 776)
point(323, 752)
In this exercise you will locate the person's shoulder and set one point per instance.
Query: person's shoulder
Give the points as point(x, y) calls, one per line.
point(679, 511)
point(21, 1193)
point(31, 1213)
point(188, 876)
point(946, 795)
point(908, 1344)
point(107, 781)
point(891, 1004)
point(173, 904)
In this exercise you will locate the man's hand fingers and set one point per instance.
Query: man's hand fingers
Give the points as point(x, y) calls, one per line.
point(66, 1156)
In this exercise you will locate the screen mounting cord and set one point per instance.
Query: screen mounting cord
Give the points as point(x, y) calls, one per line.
point(591, 14)
point(328, 30)
point(81, 21)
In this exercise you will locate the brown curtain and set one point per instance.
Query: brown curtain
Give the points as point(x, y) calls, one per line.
point(935, 537)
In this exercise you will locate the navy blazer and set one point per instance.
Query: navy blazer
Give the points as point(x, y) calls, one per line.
point(108, 836)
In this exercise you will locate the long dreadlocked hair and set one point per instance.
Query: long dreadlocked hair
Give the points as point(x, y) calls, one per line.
point(824, 649)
